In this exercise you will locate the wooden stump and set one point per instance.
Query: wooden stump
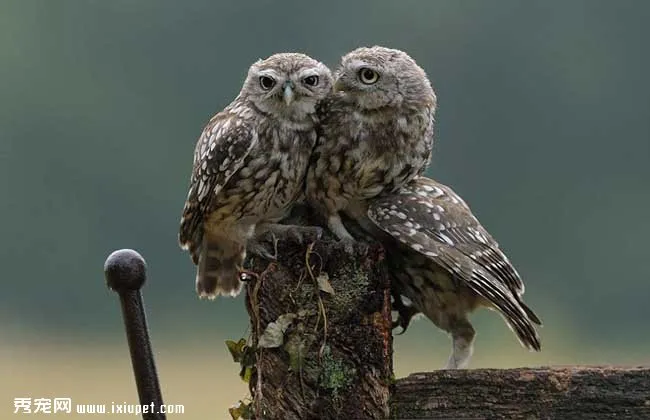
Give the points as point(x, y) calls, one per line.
point(321, 333)
point(322, 349)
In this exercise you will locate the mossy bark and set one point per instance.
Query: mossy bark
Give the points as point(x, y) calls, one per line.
point(572, 392)
point(334, 360)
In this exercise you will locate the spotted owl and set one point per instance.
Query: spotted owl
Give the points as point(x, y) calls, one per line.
point(249, 167)
point(376, 133)
point(446, 264)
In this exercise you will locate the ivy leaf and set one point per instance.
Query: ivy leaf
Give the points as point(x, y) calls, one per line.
point(236, 349)
point(297, 347)
point(246, 373)
point(241, 410)
point(273, 335)
point(323, 280)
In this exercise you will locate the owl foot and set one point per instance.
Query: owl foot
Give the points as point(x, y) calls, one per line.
point(301, 234)
point(304, 234)
point(265, 242)
point(264, 246)
point(462, 345)
point(405, 314)
point(348, 245)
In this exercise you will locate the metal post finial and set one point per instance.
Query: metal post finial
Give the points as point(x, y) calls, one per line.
point(125, 272)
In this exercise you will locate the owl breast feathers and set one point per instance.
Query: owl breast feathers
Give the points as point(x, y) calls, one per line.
point(376, 132)
point(249, 166)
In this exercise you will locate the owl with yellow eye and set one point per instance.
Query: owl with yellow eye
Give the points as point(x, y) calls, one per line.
point(376, 133)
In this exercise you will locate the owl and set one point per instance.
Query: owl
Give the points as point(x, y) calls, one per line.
point(446, 264)
point(249, 167)
point(376, 133)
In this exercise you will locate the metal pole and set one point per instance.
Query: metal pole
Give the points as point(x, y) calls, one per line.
point(125, 272)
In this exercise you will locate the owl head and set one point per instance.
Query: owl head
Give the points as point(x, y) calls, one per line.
point(379, 77)
point(288, 85)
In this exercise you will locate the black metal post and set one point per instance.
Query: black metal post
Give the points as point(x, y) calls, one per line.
point(125, 272)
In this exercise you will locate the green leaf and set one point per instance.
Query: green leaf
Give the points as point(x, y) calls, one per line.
point(236, 349)
point(273, 335)
point(297, 349)
point(241, 410)
point(246, 374)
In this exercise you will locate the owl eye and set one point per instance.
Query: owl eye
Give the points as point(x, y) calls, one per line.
point(368, 76)
point(310, 80)
point(267, 82)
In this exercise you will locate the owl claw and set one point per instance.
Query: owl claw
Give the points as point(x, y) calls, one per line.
point(304, 234)
point(301, 234)
point(348, 244)
point(405, 314)
point(354, 247)
point(265, 243)
point(261, 248)
point(401, 322)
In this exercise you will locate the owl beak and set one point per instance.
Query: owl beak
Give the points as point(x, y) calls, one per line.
point(339, 86)
point(287, 92)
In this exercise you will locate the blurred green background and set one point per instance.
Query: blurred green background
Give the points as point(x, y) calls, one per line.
point(543, 127)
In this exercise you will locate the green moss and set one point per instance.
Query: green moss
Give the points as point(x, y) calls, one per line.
point(297, 346)
point(392, 379)
point(306, 294)
point(335, 373)
point(356, 284)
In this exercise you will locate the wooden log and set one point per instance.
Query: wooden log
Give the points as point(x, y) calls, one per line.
point(331, 308)
point(572, 392)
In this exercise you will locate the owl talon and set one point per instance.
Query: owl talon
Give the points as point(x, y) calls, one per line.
point(398, 324)
point(354, 247)
point(403, 322)
point(405, 314)
point(260, 247)
point(348, 245)
point(363, 248)
point(305, 234)
point(301, 234)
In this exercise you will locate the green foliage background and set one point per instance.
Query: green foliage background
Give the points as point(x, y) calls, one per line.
point(543, 127)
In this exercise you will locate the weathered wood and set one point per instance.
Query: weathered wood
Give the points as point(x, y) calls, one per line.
point(335, 359)
point(573, 392)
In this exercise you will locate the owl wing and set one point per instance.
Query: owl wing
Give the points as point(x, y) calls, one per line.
point(446, 216)
point(220, 152)
point(471, 237)
point(431, 219)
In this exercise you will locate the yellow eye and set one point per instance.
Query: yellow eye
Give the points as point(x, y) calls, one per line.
point(368, 76)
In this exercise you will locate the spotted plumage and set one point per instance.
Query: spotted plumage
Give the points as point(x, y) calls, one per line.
point(249, 166)
point(376, 133)
point(446, 264)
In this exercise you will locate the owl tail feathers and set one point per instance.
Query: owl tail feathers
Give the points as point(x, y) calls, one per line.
point(523, 325)
point(218, 268)
point(531, 314)
point(526, 333)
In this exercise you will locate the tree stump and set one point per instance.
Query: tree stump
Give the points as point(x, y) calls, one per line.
point(321, 333)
